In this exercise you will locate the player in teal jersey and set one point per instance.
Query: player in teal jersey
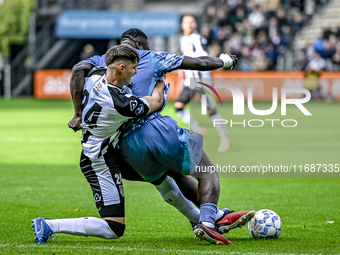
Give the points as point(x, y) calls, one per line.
point(187, 156)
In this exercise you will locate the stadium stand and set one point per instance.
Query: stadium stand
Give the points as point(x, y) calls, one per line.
point(277, 35)
point(261, 33)
point(322, 35)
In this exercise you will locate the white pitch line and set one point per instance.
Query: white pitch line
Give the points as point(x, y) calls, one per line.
point(18, 139)
point(136, 249)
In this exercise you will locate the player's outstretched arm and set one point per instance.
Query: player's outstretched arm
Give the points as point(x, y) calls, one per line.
point(76, 86)
point(156, 100)
point(207, 63)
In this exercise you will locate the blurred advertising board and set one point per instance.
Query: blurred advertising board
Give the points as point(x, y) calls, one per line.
point(54, 84)
point(262, 84)
point(111, 24)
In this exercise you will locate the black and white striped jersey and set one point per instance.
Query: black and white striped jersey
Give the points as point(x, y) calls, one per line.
point(105, 108)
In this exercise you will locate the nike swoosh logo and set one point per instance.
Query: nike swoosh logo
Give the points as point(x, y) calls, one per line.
point(41, 224)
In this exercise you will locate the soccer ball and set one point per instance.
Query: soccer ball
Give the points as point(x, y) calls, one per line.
point(265, 224)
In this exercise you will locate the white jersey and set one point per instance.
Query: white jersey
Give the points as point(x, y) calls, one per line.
point(105, 108)
point(191, 46)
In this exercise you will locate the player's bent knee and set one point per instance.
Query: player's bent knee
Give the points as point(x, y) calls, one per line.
point(179, 106)
point(160, 180)
point(116, 227)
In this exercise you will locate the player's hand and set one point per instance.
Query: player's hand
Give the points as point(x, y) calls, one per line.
point(229, 60)
point(75, 123)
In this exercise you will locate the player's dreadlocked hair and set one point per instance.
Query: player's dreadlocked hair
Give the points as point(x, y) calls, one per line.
point(133, 34)
point(121, 52)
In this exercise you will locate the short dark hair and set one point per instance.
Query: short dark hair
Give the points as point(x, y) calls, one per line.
point(133, 34)
point(121, 52)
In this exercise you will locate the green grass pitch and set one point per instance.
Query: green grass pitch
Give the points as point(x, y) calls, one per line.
point(40, 176)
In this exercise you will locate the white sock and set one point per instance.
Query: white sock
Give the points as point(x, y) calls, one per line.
point(221, 129)
point(219, 214)
point(208, 224)
point(188, 119)
point(184, 115)
point(88, 226)
point(170, 192)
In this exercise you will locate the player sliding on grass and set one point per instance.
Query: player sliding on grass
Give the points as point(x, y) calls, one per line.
point(108, 102)
point(208, 210)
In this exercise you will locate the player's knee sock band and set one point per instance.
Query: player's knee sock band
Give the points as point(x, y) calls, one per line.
point(116, 227)
point(160, 180)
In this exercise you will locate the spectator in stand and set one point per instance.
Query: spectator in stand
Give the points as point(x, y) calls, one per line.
point(222, 14)
point(235, 43)
point(302, 64)
point(274, 30)
point(310, 51)
point(309, 8)
point(206, 34)
point(260, 63)
point(312, 73)
point(326, 32)
point(256, 17)
point(282, 20)
point(88, 51)
point(239, 17)
point(239, 4)
point(271, 55)
point(327, 50)
point(297, 22)
point(336, 57)
point(210, 17)
point(318, 44)
point(272, 6)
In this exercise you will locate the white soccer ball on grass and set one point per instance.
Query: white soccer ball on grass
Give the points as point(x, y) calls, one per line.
point(266, 224)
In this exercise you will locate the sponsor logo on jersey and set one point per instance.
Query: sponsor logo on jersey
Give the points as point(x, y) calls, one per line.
point(133, 105)
point(97, 88)
point(97, 197)
point(140, 109)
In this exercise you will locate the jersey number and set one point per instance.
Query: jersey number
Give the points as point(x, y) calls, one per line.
point(91, 117)
point(118, 178)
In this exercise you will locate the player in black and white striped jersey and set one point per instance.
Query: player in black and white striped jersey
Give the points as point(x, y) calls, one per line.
point(107, 104)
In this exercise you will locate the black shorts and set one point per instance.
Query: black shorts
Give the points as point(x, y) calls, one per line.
point(187, 94)
point(105, 178)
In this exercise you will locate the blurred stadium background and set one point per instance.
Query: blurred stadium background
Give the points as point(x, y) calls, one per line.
point(279, 35)
point(40, 41)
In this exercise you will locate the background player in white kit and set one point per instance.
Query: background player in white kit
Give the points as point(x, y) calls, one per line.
point(191, 45)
